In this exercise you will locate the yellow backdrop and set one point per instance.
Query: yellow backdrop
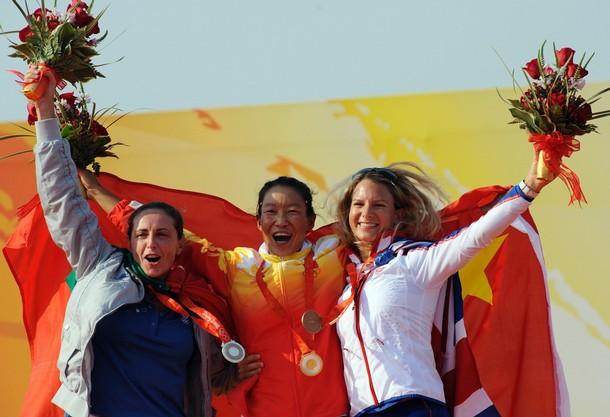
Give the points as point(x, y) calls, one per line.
point(462, 139)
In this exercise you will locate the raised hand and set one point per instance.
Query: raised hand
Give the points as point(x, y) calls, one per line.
point(44, 104)
point(532, 180)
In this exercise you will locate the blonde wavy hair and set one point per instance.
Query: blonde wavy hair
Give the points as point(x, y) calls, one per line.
point(413, 192)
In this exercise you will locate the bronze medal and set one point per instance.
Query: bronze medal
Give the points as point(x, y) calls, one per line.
point(233, 351)
point(311, 364)
point(312, 322)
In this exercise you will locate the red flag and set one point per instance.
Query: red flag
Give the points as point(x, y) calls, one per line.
point(522, 377)
point(510, 334)
point(40, 269)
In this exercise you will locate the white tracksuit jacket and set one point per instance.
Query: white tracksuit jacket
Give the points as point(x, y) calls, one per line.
point(397, 305)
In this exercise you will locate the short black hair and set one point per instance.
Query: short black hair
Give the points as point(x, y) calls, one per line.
point(300, 187)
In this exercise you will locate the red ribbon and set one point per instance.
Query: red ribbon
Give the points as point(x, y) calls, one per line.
point(555, 146)
point(188, 296)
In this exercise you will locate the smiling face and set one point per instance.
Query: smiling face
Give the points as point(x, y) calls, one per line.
point(284, 221)
point(154, 242)
point(371, 211)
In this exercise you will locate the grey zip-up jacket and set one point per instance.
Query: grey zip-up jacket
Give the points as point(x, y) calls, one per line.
point(103, 284)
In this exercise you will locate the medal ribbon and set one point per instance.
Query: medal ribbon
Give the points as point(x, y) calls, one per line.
point(179, 302)
point(337, 311)
point(309, 266)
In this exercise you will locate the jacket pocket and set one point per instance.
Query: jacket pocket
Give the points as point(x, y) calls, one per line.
point(70, 359)
point(71, 370)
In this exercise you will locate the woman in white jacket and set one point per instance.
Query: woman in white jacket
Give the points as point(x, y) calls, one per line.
point(388, 221)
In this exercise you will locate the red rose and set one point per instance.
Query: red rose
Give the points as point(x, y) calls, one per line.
point(69, 97)
point(81, 16)
point(97, 129)
point(38, 13)
point(52, 19)
point(32, 116)
point(564, 55)
point(556, 99)
point(549, 71)
point(572, 69)
point(533, 69)
point(524, 103)
point(25, 33)
point(580, 111)
point(52, 23)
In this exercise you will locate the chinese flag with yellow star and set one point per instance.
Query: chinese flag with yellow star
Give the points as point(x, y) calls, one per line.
point(509, 365)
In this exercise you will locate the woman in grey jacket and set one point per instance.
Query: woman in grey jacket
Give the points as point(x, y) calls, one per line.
point(149, 360)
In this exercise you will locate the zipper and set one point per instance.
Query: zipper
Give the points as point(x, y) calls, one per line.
point(361, 339)
point(293, 358)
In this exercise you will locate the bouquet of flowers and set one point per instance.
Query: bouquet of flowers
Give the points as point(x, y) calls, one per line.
point(88, 137)
point(553, 111)
point(62, 42)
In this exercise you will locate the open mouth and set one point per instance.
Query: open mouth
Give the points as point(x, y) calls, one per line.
point(153, 259)
point(281, 237)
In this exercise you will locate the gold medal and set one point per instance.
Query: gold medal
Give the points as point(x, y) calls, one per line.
point(312, 322)
point(311, 364)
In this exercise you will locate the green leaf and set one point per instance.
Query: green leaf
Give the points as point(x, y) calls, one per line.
point(24, 49)
point(515, 103)
point(599, 93)
point(116, 120)
point(67, 131)
point(25, 15)
point(101, 38)
point(511, 73)
point(528, 118)
point(588, 60)
point(600, 114)
point(541, 56)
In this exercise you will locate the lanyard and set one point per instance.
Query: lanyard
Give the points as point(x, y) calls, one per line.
point(183, 304)
point(309, 266)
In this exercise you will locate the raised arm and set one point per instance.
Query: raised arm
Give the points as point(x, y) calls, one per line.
point(94, 190)
point(72, 224)
point(432, 265)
